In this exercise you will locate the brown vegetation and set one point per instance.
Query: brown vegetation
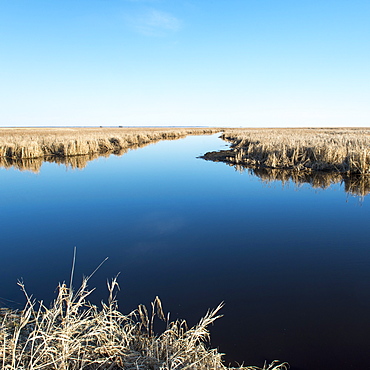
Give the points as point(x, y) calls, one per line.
point(341, 150)
point(30, 143)
point(320, 157)
point(73, 335)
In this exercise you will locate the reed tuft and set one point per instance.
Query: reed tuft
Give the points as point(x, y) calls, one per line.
point(73, 334)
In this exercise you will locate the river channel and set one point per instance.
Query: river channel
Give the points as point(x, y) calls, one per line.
point(290, 261)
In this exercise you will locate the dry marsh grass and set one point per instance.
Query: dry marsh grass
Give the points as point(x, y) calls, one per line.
point(341, 150)
point(30, 143)
point(320, 157)
point(74, 334)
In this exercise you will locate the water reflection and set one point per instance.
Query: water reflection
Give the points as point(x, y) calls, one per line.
point(74, 162)
point(358, 185)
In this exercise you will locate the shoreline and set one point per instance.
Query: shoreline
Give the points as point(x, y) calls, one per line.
point(32, 143)
point(344, 151)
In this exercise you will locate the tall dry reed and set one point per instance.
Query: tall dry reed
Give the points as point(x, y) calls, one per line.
point(73, 334)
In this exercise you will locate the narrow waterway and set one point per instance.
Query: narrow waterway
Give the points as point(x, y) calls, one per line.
point(291, 262)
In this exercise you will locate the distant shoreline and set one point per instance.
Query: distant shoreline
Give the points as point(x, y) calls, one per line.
point(30, 143)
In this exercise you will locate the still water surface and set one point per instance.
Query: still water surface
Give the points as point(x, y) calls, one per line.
point(292, 264)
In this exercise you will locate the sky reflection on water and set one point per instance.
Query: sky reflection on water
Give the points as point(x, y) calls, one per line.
point(291, 263)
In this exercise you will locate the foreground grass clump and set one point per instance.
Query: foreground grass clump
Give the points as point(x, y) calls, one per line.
point(341, 150)
point(74, 334)
point(25, 143)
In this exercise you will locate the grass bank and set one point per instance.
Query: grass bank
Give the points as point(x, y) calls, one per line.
point(340, 150)
point(74, 334)
point(31, 143)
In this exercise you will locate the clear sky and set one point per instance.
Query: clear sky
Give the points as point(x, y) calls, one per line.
point(252, 63)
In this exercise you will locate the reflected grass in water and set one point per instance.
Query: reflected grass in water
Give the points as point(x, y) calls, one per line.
point(74, 334)
point(357, 185)
point(74, 162)
point(34, 164)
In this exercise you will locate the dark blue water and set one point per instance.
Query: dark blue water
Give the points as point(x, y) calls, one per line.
point(292, 264)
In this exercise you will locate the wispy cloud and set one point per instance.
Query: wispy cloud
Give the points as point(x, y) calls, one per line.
point(142, 1)
point(154, 22)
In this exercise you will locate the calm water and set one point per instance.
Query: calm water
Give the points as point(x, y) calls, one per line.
point(292, 264)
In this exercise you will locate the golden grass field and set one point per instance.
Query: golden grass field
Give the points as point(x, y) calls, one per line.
point(28, 148)
point(320, 157)
point(340, 150)
point(28, 143)
point(343, 150)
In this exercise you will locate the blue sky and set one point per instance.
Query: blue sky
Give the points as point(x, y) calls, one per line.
point(250, 63)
